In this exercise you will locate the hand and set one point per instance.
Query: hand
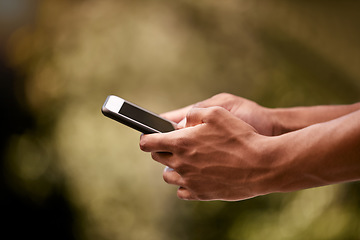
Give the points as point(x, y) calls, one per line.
point(268, 122)
point(261, 118)
point(217, 156)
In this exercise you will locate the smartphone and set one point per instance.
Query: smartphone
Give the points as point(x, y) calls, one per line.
point(135, 117)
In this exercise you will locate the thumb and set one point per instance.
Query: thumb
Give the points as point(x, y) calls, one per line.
point(182, 124)
point(197, 116)
point(176, 115)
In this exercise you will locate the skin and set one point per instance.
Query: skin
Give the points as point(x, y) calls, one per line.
point(230, 148)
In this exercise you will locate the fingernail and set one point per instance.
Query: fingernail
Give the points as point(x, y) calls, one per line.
point(168, 169)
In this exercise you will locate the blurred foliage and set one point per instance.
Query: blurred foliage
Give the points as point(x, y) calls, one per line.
point(164, 55)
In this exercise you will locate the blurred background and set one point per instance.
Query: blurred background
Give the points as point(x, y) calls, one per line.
point(67, 172)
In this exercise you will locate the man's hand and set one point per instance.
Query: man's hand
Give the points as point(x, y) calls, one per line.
point(267, 121)
point(261, 118)
point(222, 152)
point(216, 156)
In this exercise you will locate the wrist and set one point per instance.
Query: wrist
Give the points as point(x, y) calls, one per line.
point(281, 158)
point(286, 120)
point(277, 161)
point(279, 121)
point(311, 157)
point(274, 165)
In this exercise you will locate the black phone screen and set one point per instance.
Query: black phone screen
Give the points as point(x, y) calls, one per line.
point(146, 118)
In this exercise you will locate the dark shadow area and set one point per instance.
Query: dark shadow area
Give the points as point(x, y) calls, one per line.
point(22, 217)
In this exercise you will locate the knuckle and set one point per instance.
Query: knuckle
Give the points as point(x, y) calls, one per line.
point(190, 114)
point(176, 165)
point(199, 104)
point(223, 95)
point(143, 144)
point(214, 112)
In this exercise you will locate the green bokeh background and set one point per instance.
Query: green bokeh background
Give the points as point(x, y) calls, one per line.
point(66, 56)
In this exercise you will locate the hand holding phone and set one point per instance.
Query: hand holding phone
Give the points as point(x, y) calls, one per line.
point(135, 117)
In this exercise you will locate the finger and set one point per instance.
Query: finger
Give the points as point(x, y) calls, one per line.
point(156, 142)
point(194, 117)
point(162, 157)
point(172, 177)
point(168, 169)
point(220, 99)
point(182, 124)
point(184, 194)
point(211, 102)
point(176, 115)
point(198, 116)
point(179, 114)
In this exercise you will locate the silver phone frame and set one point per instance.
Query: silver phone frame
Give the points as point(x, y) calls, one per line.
point(113, 105)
